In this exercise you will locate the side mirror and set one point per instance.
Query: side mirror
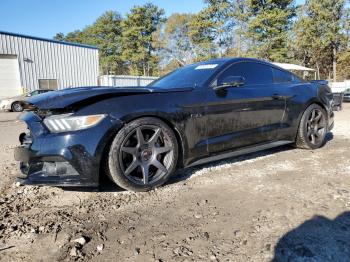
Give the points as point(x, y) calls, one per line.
point(230, 81)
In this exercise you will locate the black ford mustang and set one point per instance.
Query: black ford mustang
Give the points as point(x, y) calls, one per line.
point(199, 113)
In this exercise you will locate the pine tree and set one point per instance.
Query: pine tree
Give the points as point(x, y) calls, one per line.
point(105, 33)
point(268, 28)
point(211, 29)
point(137, 38)
point(319, 35)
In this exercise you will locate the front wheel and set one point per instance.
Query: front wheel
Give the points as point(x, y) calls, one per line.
point(313, 128)
point(143, 155)
point(16, 107)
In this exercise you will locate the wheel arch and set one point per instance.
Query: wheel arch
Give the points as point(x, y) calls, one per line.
point(317, 102)
point(179, 136)
point(110, 137)
point(311, 102)
point(13, 102)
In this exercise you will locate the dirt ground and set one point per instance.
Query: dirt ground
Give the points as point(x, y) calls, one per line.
point(284, 204)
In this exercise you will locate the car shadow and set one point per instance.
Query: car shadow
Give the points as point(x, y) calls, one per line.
point(317, 239)
point(106, 185)
point(186, 173)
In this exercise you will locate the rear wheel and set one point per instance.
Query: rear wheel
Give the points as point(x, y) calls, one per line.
point(313, 128)
point(16, 107)
point(143, 155)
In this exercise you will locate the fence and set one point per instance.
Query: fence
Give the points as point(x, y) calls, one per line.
point(121, 80)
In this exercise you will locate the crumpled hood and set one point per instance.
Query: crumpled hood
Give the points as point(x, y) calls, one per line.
point(72, 96)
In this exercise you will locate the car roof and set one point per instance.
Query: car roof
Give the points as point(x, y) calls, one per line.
point(229, 60)
point(237, 59)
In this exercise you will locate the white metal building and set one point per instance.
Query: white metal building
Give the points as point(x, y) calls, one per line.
point(125, 80)
point(28, 63)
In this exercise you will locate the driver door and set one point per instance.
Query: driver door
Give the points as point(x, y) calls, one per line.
point(246, 115)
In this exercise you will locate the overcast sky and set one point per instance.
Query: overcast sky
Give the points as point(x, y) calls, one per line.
point(46, 18)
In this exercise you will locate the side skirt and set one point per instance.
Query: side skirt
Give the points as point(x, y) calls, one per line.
point(239, 152)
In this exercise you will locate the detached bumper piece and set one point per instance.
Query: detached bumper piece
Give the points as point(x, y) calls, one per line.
point(52, 173)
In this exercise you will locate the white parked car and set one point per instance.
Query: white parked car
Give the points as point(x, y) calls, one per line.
point(15, 103)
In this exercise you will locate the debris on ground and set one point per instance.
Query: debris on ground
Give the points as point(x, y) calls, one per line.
point(283, 203)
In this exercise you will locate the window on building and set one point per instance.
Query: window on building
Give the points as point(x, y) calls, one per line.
point(51, 84)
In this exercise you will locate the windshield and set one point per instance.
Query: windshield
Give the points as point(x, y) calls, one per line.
point(33, 93)
point(188, 76)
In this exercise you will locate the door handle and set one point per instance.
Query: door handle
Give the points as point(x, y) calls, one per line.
point(277, 97)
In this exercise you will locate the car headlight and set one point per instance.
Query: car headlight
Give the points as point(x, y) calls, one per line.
point(66, 123)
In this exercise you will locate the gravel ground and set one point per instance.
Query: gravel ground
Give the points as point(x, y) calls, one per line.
point(284, 204)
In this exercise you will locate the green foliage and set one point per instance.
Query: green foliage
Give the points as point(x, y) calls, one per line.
point(137, 38)
point(241, 15)
point(105, 33)
point(211, 29)
point(268, 27)
point(344, 65)
point(173, 43)
point(319, 34)
point(315, 34)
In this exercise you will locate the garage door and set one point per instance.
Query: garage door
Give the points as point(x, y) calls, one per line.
point(10, 84)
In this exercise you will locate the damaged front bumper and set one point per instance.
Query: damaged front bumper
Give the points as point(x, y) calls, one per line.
point(70, 159)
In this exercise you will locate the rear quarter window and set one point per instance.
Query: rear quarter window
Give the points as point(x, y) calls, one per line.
point(280, 76)
point(253, 73)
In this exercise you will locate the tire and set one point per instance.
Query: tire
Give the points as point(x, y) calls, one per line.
point(312, 128)
point(16, 107)
point(143, 155)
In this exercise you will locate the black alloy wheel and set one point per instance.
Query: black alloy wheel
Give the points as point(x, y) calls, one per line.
point(143, 155)
point(313, 128)
point(316, 127)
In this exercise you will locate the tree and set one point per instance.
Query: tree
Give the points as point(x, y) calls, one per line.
point(173, 42)
point(105, 33)
point(320, 35)
point(268, 27)
point(211, 29)
point(258, 28)
point(76, 36)
point(137, 38)
point(344, 65)
point(59, 37)
point(145, 43)
point(240, 15)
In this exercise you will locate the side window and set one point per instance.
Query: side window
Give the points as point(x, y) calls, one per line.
point(253, 73)
point(280, 76)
